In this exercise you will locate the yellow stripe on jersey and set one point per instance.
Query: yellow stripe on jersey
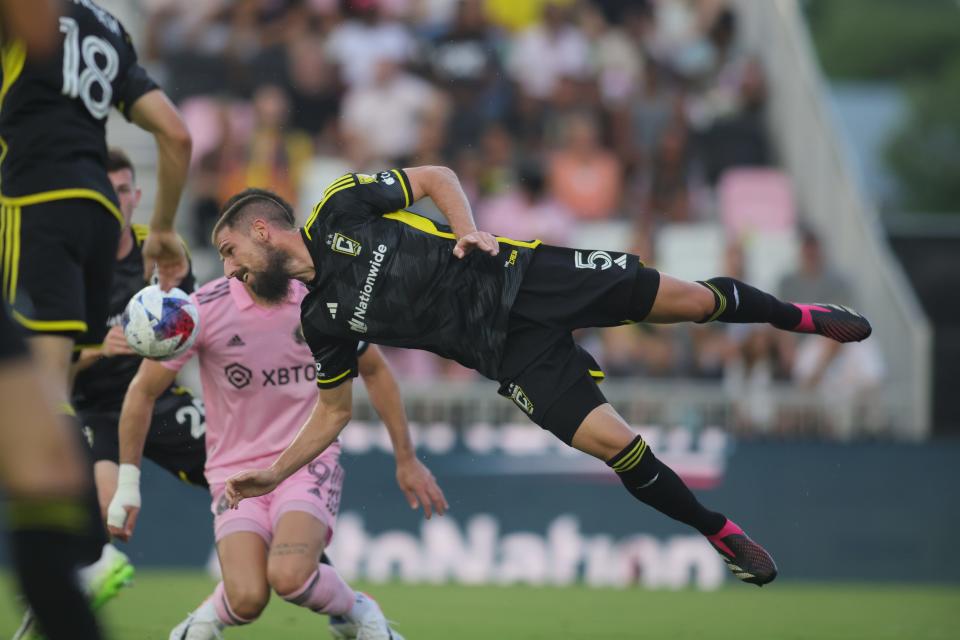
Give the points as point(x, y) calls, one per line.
point(427, 225)
point(597, 375)
point(77, 348)
point(403, 185)
point(420, 223)
point(140, 232)
point(335, 378)
point(12, 58)
point(533, 244)
point(64, 194)
point(344, 182)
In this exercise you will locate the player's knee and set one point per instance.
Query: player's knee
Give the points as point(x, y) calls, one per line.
point(247, 601)
point(289, 578)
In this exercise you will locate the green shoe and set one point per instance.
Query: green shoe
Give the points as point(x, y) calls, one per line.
point(114, 573)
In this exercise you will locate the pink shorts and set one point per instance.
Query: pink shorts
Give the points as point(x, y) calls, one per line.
point(314, 489)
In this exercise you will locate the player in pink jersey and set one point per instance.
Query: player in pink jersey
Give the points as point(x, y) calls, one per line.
point(258, 386)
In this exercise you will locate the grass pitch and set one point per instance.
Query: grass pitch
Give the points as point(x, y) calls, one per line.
point(784, 611)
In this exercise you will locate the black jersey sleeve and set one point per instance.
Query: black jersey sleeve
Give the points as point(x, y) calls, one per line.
point(335, 358)
point(376, 195)
point(133, 82)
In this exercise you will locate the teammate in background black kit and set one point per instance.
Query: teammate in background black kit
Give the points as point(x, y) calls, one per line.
point(60, 225)
point(503, 307)
point(175, 441)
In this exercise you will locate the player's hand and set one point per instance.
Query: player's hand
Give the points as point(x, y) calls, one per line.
point(420, 487)
point(249, 484)
point(115, 344)
point(164, 250)
point(476, 240)
point(125, 505)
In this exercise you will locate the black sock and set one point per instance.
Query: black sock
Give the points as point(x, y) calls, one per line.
point(739, 302)
point(654, 483)
point(50, 539)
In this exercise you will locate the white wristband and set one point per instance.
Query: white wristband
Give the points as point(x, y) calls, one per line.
point(127, 495)
point(129, 475)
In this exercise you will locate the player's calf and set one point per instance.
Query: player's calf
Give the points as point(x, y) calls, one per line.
point(649, 480)
point(324, 591)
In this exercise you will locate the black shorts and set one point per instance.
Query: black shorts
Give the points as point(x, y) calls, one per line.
point(543, 370)
point(175, 441)
point(61, 255)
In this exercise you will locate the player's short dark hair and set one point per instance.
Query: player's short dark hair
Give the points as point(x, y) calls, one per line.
point(242, 208)
point(118, 160)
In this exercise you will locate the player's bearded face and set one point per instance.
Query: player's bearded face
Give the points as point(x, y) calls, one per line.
point(272, 282)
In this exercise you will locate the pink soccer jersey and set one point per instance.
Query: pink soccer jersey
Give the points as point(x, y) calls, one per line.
point(257, 373)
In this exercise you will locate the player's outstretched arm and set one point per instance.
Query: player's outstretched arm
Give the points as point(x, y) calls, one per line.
point(154, 113)
point(135, 416)
point(442, 185)
point(414, 478)
point(329, 416)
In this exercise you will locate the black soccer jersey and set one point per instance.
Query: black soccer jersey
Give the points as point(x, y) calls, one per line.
point(53, 112)
point(102, 385)
point(389, 276)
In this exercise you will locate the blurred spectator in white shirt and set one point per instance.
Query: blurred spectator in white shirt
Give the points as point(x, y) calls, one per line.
point(386, 116)
point(547, 52)
point(366, 38)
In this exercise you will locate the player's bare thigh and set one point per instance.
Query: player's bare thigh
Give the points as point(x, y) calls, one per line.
point(243, 563)
point(52, 355)
point(603, 433)
point(298, 542)
point(37, 454)
point(680, 301)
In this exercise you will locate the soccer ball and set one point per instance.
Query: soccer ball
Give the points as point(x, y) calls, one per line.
point(160, 325)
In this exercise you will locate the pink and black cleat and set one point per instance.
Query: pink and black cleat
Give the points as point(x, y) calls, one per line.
point(833, 321)
point(746, 559)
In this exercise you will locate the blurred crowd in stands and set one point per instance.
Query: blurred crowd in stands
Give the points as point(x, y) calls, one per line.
point(600, 123)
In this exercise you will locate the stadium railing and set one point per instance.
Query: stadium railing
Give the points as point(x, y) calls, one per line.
point(805, 132)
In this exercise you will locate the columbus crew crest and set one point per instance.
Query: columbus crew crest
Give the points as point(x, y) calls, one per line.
point(342, 244)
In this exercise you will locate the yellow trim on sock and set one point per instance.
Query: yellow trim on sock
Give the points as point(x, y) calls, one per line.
point(58, 515)
point(723, 302)
point(630, 460)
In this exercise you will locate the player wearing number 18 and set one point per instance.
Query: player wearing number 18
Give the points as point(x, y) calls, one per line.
point(59, 217)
